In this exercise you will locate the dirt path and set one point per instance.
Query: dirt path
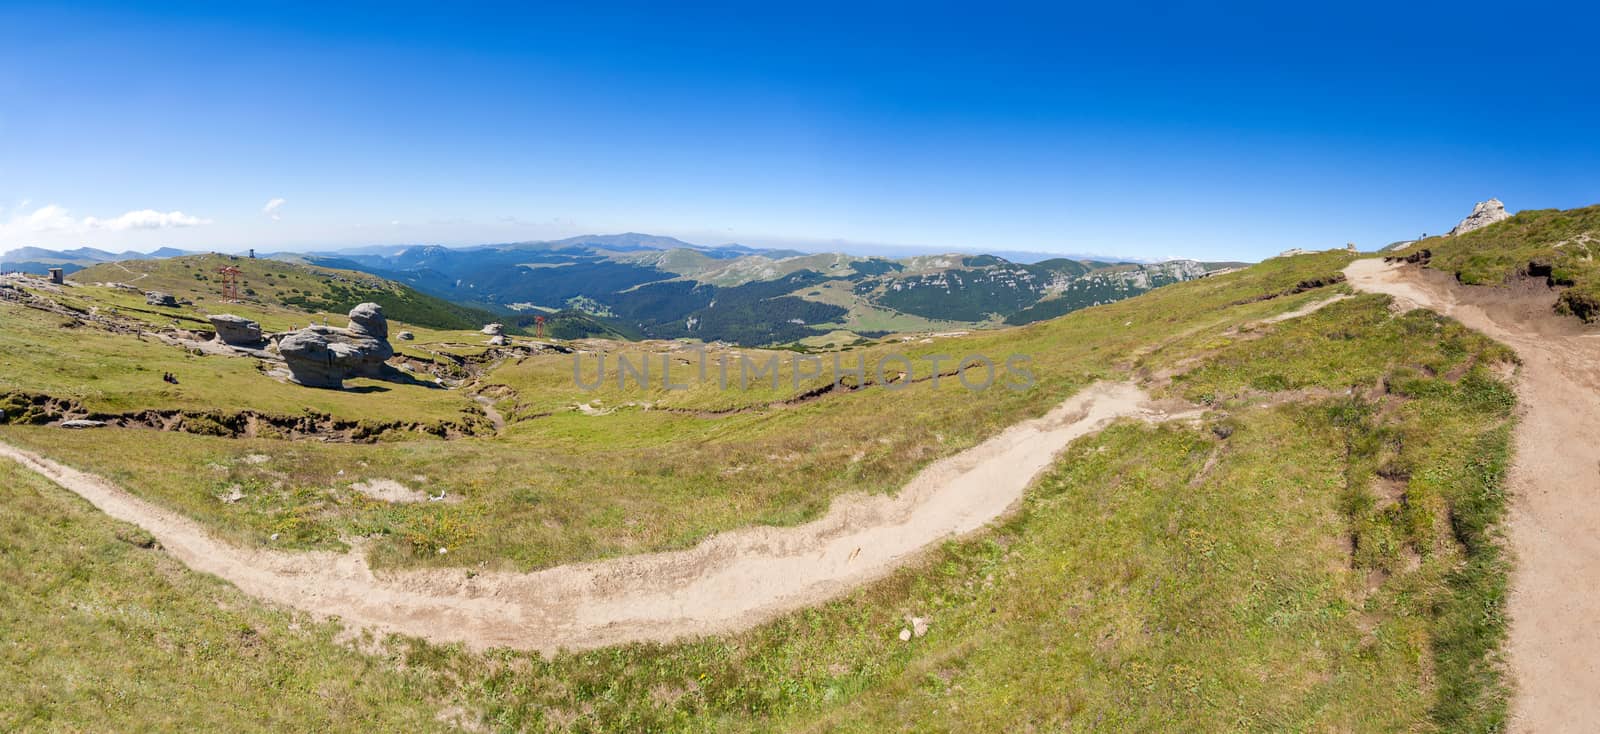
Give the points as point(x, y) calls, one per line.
point(730, 581)
point(1305, 310)
point(125, 269)
point(1554, 523)
point(493, 414)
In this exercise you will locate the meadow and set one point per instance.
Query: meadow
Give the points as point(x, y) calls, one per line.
point(1319, 553)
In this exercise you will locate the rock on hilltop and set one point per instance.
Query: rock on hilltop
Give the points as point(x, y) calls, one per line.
point(1483, 215)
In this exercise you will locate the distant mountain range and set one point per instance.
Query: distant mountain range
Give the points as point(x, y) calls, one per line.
point(662, 287)
point(38, 260)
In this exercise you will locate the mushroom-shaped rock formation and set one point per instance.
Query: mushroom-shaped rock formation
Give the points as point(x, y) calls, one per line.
point(236, 330)
point(157, 298)
point(324, 356)
point(497, 335)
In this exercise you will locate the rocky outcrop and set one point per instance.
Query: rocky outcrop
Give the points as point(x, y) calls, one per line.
point(325, 356)
point(1483, 215)
point(497, 335)
point(237, 330)
point(157, 298)
point(405, 336)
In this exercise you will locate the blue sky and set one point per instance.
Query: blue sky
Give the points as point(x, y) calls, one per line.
point(1141, 130)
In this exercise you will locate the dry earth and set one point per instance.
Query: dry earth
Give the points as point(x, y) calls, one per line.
point(1554, 524)
point(730, 581)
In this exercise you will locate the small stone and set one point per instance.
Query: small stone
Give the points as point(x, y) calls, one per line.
point(905, 635)
point(919, 626)
point(443, 551)
point(82, 423)
point(157, 298)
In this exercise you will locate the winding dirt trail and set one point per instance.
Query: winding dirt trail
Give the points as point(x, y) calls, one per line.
point(730, 581)
point(1554, 523)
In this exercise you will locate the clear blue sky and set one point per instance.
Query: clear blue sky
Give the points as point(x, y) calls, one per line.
point(1143, 130)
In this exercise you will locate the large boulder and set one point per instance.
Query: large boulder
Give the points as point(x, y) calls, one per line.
point(313, 360)
point(157, 298)
point(494, 329)
point(324, 356)
point(1483, 214)
point(367, 320)
point(236, 330)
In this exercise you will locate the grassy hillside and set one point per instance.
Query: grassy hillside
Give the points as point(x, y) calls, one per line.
point(1559, 245)
point(308, 288)
point(104, 632)
point(1317, 554)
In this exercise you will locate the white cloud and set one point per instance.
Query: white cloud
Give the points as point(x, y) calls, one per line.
point(44, 219)
point(272, 207)
point(146, 219)
point(56, 218)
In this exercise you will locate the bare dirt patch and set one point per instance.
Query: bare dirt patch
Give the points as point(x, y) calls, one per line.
point(389, 490)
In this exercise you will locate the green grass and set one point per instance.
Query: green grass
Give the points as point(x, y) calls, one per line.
point(1159, 579)
point(308, 288)
point(43, 353)
point(561, 486)
point(1560, 245)
point(1332, 563)
point(103, 633)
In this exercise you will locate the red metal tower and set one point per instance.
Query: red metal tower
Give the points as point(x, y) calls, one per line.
point(230, 282)
point(538, 323)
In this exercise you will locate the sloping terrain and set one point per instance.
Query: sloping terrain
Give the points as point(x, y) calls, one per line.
point(308, 288)
point(728, 582)
point(1554, 523)
point(104, 631)
point(1550, 244)
point(1315, 552)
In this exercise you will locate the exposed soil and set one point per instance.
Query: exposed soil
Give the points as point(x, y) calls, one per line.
point(1305, 310)
point(389, 490)
point(730, 581)
point(1554, 523)
point(33, 408)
